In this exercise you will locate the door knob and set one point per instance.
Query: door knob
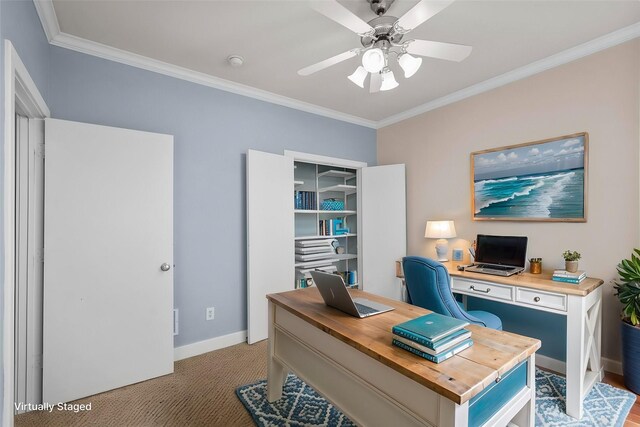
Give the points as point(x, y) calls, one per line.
point(165, 267)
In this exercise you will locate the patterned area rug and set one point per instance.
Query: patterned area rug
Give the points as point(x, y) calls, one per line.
point(300, 405)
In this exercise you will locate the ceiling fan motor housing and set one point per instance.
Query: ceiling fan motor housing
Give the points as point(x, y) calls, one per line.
point(383, 26)
point(380, 7)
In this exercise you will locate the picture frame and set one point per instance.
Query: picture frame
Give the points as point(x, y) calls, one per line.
point(542, 180)
point(457, 254)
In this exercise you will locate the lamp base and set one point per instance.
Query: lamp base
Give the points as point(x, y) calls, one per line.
point(442, 249)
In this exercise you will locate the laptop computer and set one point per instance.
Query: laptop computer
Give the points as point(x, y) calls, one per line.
point(499, 255)
point(335, 294)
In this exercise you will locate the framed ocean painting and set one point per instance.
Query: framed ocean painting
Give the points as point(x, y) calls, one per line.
point(536, 181)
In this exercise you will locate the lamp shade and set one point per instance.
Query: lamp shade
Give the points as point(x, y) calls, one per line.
point(409, 64)
point(373, 60)
point(358, 76)
point(388, 81)
point(440, 230)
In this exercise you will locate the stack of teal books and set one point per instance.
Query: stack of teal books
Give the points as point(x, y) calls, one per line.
point(569, 277)
point(434, 337)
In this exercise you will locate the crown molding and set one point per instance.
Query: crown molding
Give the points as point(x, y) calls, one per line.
point(596, 45)
point(56, 37)
point(48, 18)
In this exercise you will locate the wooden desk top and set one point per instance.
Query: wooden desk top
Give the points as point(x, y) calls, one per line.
point(459, 378)
point(541, 281)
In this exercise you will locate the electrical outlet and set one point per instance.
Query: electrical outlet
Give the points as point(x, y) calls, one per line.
point(210, 313)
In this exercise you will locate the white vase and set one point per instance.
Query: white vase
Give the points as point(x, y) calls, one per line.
point(571, 266)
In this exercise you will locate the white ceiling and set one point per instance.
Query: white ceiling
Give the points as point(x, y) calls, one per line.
point(277, 38)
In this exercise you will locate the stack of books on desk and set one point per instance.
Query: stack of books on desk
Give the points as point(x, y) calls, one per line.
point(434, 337)
point(567, 277)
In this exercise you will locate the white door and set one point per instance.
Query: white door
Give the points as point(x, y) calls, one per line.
point(270, 247)
point(382, 228)
point(108, 230)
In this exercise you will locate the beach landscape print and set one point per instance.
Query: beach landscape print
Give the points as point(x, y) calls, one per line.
point(536, 181)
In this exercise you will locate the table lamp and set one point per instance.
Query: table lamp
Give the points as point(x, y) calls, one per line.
point(440, 230)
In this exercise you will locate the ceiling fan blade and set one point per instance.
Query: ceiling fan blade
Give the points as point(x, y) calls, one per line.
point(328, 62)
point(440, 50)
point(375, 82)
point(343, 16)
point(420, 13)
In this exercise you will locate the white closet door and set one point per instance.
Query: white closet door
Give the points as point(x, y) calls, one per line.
point(108, 297)
point(270, 234)
point(382, 228)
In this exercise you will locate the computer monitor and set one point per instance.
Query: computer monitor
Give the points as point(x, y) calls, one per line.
point(501, 250)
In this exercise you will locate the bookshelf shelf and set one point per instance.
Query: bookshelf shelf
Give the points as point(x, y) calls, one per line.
point(297, 183)
point(326, 261)
point(346, 189)
point(325, 237)
point(312, 211)
point(337, 174)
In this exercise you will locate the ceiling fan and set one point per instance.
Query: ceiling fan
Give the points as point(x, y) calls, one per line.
point(382, 37)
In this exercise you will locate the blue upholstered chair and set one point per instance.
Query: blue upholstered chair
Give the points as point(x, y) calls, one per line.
point(429, 286)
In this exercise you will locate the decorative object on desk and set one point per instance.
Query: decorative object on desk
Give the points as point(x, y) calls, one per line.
point(628, 292)
point(440, 230)
point(535, 265)
point(571, 260)
point(569, 277)
point(332, 205)
point(536, 181)
point(301, 405)
point(340, 250)
point(457, 254)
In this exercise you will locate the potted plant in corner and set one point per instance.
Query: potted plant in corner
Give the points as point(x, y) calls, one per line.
point(628, 292)
point(571, 260)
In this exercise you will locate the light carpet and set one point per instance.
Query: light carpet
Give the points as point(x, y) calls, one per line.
point(300, 405)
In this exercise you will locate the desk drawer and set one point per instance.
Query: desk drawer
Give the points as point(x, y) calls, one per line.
point(542, 299)
point(482, 289)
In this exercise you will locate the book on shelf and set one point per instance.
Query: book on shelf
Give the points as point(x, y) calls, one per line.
point(438, 346)
point(441, 357)
point(567, 274)
point(316, 242)
point(429, 328)
point(327, 269)
point(567, 280)
point(313, 257)
point(314, 249)
point(304, 200)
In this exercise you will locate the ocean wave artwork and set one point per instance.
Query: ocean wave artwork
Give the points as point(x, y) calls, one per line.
point(535, 181)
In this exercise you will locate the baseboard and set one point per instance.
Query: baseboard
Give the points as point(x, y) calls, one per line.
point(560, 367)
point(201, 347)
point(611, 365)
point(551, 364)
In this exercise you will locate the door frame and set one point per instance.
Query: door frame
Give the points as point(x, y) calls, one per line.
point(20, 94)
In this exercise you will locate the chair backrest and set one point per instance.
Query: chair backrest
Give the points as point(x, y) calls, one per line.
point(428, 285)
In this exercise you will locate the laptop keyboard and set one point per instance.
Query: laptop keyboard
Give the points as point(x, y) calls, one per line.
point(495, 267)
point(364, 309)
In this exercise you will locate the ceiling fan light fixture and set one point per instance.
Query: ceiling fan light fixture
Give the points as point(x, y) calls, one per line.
point(410, 64)
point(388, 81)
point(373, 60)
point(358, 76)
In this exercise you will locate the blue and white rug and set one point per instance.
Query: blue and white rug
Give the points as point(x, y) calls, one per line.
point(300, 405)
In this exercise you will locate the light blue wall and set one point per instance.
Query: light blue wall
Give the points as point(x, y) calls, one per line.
point(20, 24)
point(213, 130)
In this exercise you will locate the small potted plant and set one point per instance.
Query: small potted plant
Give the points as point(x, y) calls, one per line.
point(628, 292)
point(535, 265)
point(571, 260)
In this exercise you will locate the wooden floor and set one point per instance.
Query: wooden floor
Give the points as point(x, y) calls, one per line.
point(633, 420)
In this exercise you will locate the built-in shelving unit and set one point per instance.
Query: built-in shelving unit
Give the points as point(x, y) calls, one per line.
point(316, 183)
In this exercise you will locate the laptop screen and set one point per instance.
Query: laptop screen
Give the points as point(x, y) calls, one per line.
point(501, 250)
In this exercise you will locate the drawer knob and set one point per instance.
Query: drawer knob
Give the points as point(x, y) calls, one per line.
point(537, 299)
point(486, 291)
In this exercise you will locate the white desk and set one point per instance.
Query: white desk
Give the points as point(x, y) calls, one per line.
point(352, 363)
point(581, 304)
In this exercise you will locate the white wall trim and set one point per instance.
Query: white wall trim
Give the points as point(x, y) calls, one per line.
point(48, 17)
point(547, 362)
point(596, 45)
point(78, 44)
point(206, 346)
point(611, 365)
point(19, 89)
